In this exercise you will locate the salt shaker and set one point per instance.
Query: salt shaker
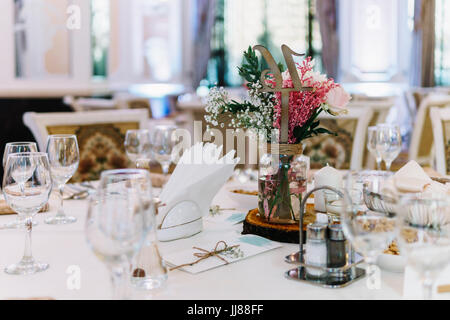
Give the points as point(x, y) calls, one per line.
point(336, 246)
point(316, 249)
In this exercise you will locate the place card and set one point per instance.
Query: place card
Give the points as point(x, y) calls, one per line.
point(240, 247)
point(227, 217)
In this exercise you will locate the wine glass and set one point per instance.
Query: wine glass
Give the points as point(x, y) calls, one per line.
point(389, 143)
point(117, 224)
point(372, 134)
point(370, 229)
point(164, 140)
point(138, 145)
point(64, 157)
point(27, 185)
point(17, 147)
point(424, 235)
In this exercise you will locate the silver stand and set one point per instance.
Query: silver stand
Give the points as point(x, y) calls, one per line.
point(332, 277)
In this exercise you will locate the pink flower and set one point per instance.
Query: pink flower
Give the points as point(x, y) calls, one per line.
point(337, 99)
point(266, 208)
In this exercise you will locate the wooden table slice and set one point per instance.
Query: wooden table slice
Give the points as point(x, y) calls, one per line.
point(288, 233)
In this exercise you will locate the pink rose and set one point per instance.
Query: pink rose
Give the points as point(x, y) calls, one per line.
point(337, 99)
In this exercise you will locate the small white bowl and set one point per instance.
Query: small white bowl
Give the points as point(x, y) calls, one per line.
point(392, 263)
point(243, 200)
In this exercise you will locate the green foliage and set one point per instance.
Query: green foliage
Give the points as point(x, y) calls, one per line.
point(311, 128)
point(250, 69)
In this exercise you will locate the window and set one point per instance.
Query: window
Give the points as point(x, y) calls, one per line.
point(267, 22)
point(442, 50)
point(100, 24)
point(41, 40)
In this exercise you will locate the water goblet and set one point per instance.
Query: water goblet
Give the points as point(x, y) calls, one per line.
point(17, 147)
point(138, 145)
point(163, 143)
point(389, 143)
point(27, 185)
point(424, 235)
point(369, 231)
point(117, 224)
point(372, 133)
point(64, 158)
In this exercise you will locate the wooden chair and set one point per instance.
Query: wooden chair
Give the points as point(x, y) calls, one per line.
point(100, 136)
point(346, 150)
point(421, 147)
point(440, 118)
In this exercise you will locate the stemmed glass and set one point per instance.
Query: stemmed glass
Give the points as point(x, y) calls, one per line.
point(64, 157)
point(163, 141)
point(389, 143)
point(26, 186)
point(372, 134)
point(369, 230)
point(138, 145)
point(117, 224)
point(424, 235)
point(17, 147)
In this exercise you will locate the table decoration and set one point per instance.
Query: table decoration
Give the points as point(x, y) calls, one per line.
point(225, 249)
point(198, 176)
point(282, 107)
point(327, 176)
point(254, 223)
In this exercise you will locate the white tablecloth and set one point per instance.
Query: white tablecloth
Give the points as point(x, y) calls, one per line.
point(258, 277)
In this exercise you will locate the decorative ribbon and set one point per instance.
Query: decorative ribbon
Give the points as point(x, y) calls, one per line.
point(289, 149)
point(205, 254)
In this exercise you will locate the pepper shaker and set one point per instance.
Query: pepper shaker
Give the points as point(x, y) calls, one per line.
point(336, 246)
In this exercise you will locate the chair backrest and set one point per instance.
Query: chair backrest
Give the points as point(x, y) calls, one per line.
point(344, 151)
point(90, 104)
point(440, 118)
point(422, 136)
point(381, 107)
point(100, 136)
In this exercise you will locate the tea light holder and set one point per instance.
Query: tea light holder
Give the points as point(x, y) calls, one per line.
point(333, 277)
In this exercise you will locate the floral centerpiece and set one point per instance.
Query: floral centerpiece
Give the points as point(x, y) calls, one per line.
point(280, 190)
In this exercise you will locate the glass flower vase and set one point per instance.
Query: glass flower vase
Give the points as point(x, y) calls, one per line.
point(282, 180)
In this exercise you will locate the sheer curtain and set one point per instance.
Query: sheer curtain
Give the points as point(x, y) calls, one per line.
point(327, 15)
point(422, 60)
point(203, 25)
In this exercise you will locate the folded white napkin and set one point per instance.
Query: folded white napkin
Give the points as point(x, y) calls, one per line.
point(411, 178)
point(188, 194)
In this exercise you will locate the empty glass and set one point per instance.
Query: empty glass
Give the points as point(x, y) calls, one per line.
point(424, 235)
point(389, 143)
point(17, 147)
point(372, 134)
point(64, 157)
point(369, 231)
point(164, 140)
point(138, 145)
point(117, 224)
point(26, 186)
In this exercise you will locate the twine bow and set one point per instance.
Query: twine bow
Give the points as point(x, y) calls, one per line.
point(205, 254)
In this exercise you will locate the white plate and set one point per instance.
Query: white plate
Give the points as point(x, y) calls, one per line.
point(243, 200)
point(390, 262)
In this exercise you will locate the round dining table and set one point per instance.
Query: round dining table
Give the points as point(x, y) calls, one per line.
point(76, 273)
